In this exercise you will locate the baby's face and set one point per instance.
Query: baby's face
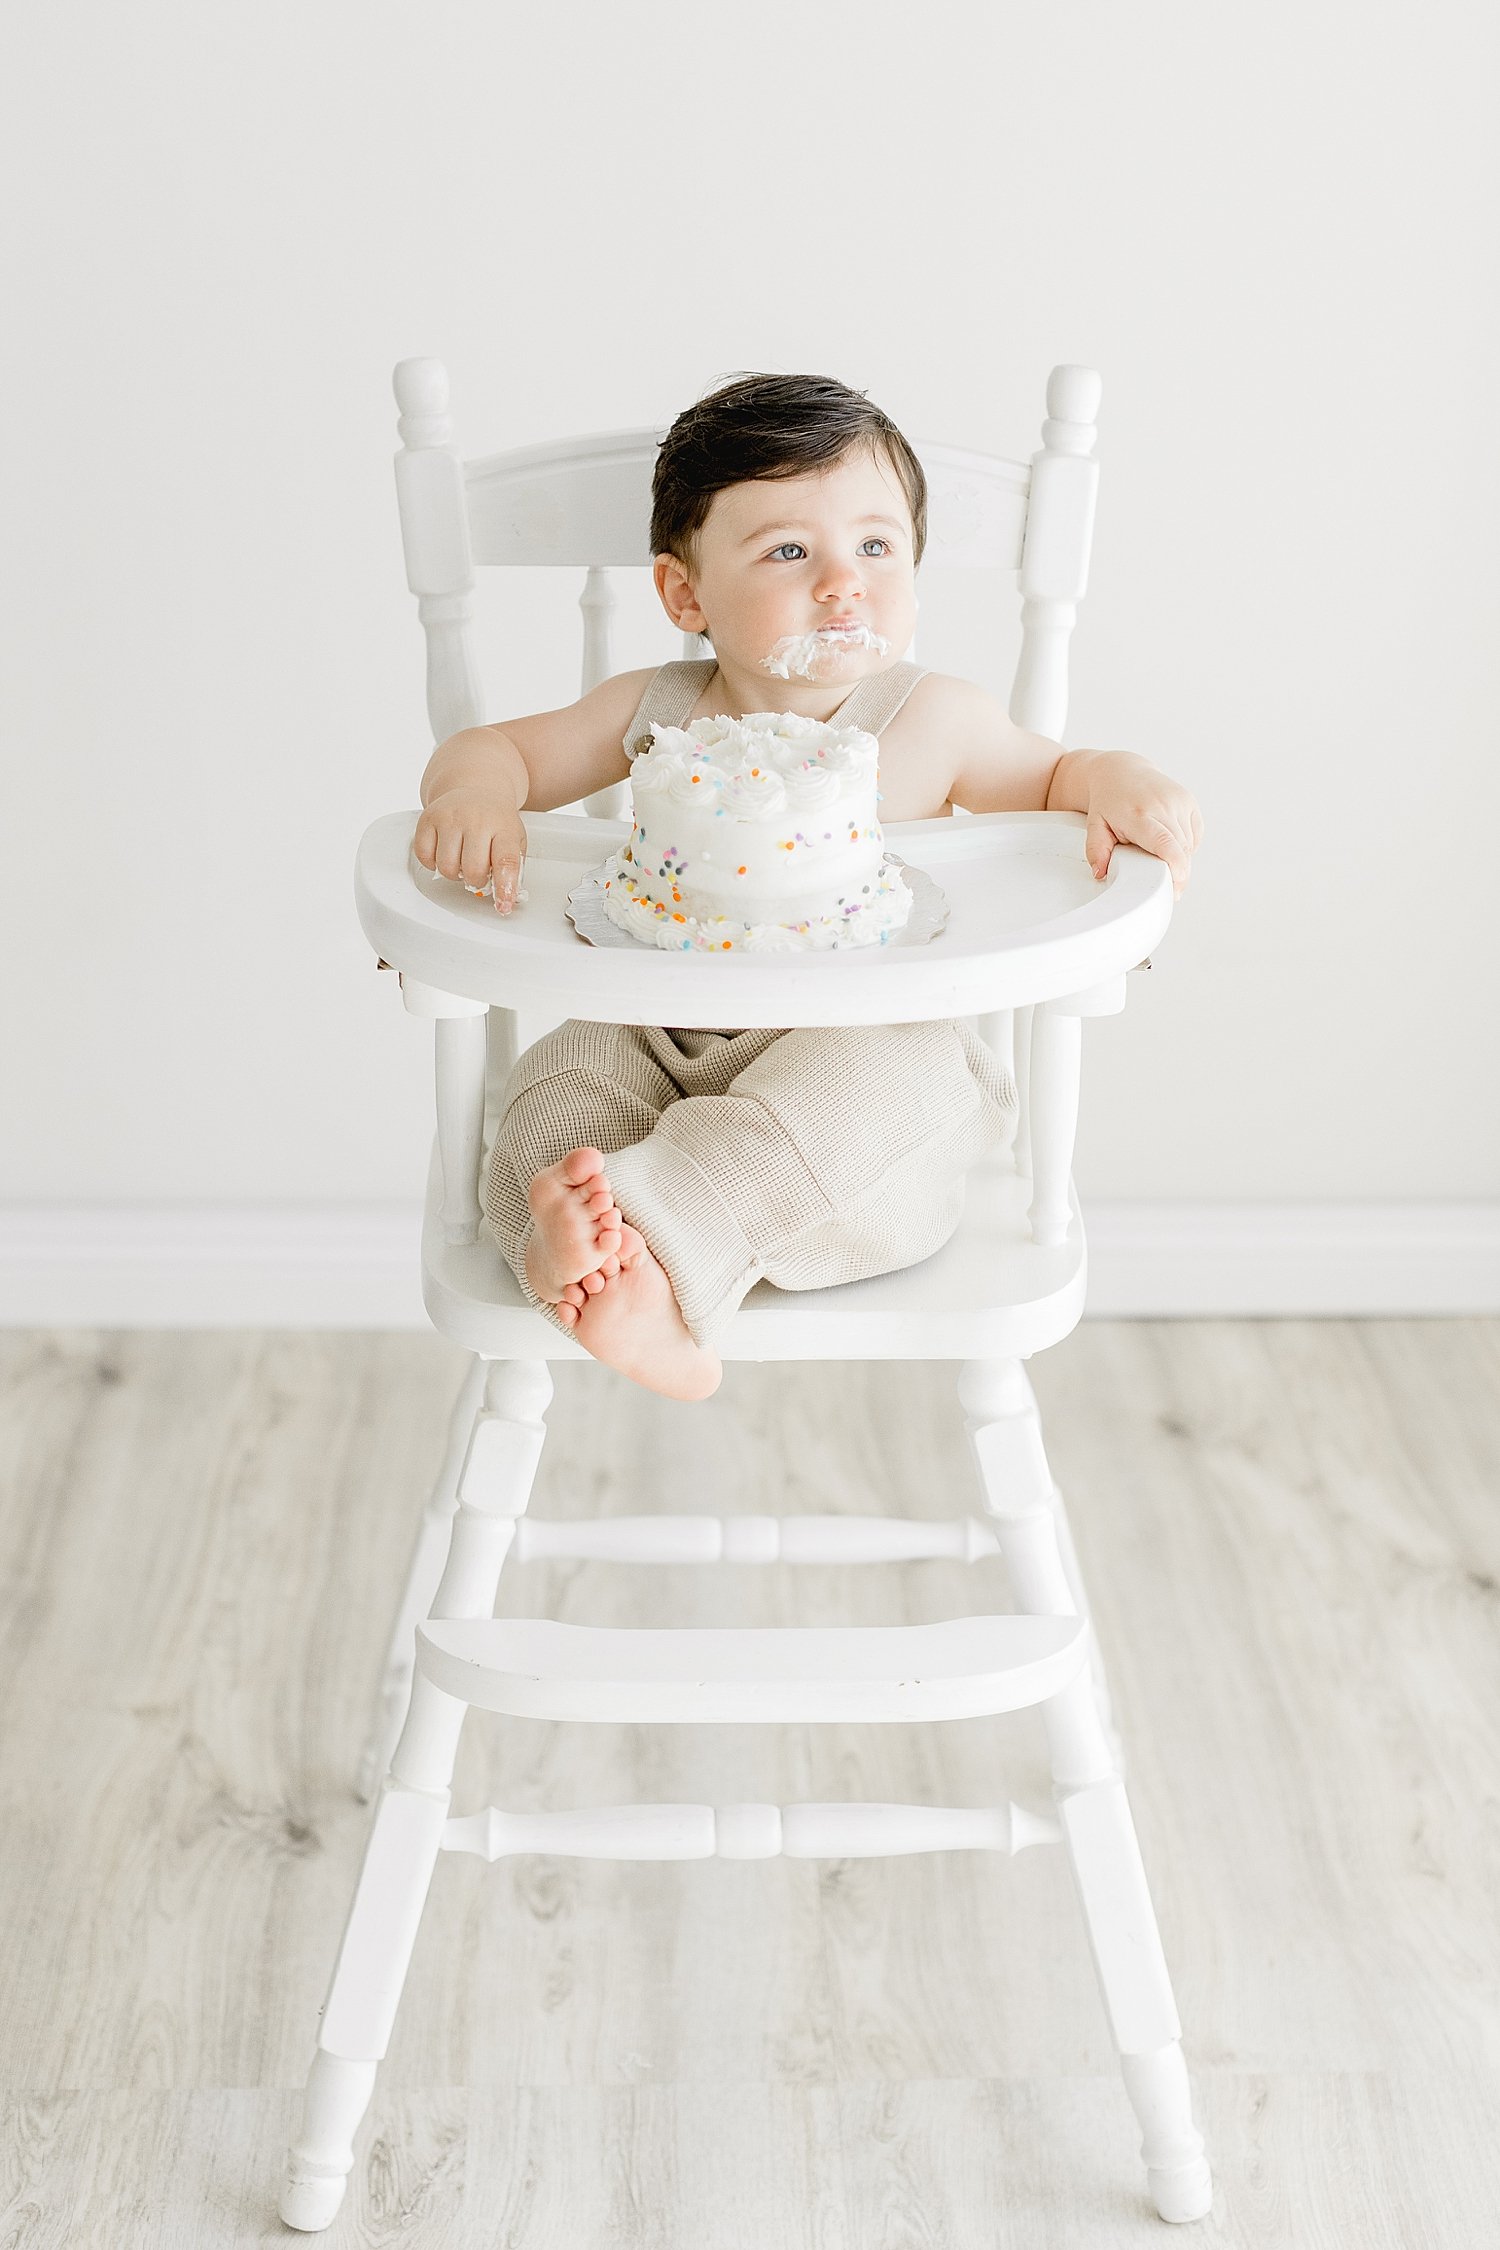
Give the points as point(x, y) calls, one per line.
point(789, 556)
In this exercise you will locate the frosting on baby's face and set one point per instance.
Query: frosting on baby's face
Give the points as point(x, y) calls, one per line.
point(819, 567)
point(819, 655)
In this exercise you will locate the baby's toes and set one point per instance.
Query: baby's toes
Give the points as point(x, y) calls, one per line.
point(593, 1283)
point(566, 1313)
point(580, 1166)
point(574, 1296)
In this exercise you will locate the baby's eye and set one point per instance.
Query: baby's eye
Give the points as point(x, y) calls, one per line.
point(867, 544)
point(788, 547)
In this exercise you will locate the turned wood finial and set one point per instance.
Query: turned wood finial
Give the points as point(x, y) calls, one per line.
point(1073, 395)
point(435, 540)
point(1055, 549)
point(421, 387)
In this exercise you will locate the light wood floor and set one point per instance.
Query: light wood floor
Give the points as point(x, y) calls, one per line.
point(1292, 1532)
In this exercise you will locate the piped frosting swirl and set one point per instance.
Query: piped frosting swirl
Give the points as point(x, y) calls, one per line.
point(757, 833)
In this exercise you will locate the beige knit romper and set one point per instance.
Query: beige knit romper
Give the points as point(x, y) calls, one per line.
point(803, 1158)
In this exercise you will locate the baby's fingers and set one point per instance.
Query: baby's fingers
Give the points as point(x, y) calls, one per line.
point(424, 842)
point(1164, 841)
point(1150, 834)
point(474, 859)
point(507, 866)
point(440, 844)
point(448, 844)
point(1098, 843)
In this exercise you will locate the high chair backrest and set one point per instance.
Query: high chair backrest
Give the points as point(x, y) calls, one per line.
point(585, 503)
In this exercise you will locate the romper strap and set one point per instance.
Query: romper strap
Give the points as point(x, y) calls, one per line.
point(673, 689)
point(670, 694)
point(875, 701)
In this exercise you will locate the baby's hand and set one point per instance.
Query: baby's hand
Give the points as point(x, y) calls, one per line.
point(1130, 802)
point(474, 837)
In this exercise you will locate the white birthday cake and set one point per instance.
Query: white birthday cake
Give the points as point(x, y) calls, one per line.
point(756, 835)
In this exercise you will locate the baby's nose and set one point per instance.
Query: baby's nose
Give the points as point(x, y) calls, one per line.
point(838, 582)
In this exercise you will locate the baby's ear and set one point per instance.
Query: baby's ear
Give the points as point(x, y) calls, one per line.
point(675, 590)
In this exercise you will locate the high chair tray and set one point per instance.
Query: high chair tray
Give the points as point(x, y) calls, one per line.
point(1028, 921)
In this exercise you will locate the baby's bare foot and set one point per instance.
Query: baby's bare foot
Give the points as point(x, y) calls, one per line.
point(632, 1321)
point(577, 1294)
point(575, 1224)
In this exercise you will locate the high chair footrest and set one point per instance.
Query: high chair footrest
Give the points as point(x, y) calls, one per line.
point(968, 1667)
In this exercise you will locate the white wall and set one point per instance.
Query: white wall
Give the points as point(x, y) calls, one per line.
point(1268, 229)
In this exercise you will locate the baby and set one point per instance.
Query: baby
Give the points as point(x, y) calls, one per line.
point(642, 1180)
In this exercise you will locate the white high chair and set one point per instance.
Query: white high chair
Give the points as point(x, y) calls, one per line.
point(1033, 945)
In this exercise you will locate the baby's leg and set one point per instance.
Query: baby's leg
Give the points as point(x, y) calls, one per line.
point(833, 1155)
point(576, 1097)
point(890, 1121)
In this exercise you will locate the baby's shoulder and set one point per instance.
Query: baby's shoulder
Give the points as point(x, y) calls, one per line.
point(925, 746)
point(943, 695)
point(629, 687)
point(944, 709)
point(615, 701)
point(622, 685)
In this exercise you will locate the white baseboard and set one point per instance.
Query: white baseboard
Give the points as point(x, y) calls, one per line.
point(1294, 1260)
point(355, 1265)
point(349, 1265)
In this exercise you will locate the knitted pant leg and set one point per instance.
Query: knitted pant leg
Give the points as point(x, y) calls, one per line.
point(585, 1085)
point(835, 1155)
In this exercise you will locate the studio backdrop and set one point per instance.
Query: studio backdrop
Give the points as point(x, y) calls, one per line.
point(1269, 232)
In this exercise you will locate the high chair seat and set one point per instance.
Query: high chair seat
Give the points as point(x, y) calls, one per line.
point(990, 1292)
point(1033, 944)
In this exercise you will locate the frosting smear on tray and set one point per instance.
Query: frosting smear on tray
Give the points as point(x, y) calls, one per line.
point(756, 835)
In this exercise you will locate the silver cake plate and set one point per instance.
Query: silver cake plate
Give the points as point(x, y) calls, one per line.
point(928, 916)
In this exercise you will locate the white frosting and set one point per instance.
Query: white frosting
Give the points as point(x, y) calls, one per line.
point(812, 656)
point(486, 889)
point(756, 834)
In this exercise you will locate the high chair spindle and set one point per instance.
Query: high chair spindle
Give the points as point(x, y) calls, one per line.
point(435, 540)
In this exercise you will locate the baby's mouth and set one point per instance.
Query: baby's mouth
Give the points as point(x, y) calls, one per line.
point(813, 655)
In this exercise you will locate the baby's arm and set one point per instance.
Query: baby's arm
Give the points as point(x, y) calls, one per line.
point(1001, 768)
point(477, 781)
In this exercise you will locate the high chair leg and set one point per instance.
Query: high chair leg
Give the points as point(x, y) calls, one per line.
point(422, 1575)
point(1126, 1946)
point(1068, 1557)
point(1031, 1527)
point(1005, 1432)
point(494, 1486)
point(402, 1850)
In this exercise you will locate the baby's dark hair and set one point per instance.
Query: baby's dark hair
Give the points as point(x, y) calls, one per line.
point(769, 426)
